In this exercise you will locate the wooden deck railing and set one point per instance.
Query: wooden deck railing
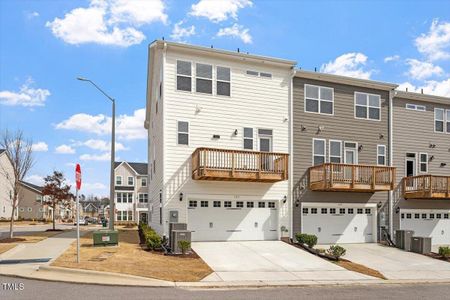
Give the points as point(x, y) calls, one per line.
point(239, 165)
point(347, 177)
point(426, 186)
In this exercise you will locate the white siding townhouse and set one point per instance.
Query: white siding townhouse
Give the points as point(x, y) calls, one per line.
point(218, 138)
point(131, 192)
point(6, 186)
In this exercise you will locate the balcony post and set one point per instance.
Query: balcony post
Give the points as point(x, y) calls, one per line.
point(324, 176)
point(373, 178)
point(285, 173)
point(232, 163)
point(431, 185)
point(448, 187)
point(352, 184)
point(259, 164)
point(205, 161)
point(393, 177)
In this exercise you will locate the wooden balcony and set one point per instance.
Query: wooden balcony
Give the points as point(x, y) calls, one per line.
point(238, 165)
point(426, 187)
point(351, 178)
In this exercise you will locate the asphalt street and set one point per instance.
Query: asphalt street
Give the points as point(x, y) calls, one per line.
point(17, 288)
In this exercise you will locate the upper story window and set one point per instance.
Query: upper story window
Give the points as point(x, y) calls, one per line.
point(439, 119)
point(143, 181)
point(130, 180)
point(223, 82)
point(423, 162)
point(416, 107)
point(203, 78)
point(118, 180)
point(143, 198)
point(381, 155)
point(318, 151)
point(248, 138)
point(319, 99)
point(335, 151)
point(183, 133)
point(184, 76)
point(367, 106)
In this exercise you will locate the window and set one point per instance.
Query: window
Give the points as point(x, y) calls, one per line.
point(324, 211)
point(446, 216)
point(119, 197)
point(408, 216)
point(223, 83)
point(130, 197)
point(261, 204)
point(367, 106)
point(342, 211)
point(144, 181)
point(416, 216)
point(368, 211)
point(381, 155)
point(239, 204)
point(416, 107)
point(271, 204)
point(335, 151)
point(423, 163)
point(248, 138)
point(424, 216)
point(192, 203)
point(184, 74)
point(431, 216)
point(318, 99)
point(318, 151)
point(216, 204)
point(438, 216)
point(305, 211)
point(227, 204)
point(203, 203)
point(130, 180)
point(359, 211)
point(350, 211)
point(203, 78)
point(314, 211)
point(332, 211)
point(183, 133)
point(250, 204)
point(119, 216)
point(439, 120)
point(118, 180)
point(30, 209)
point(143, 198)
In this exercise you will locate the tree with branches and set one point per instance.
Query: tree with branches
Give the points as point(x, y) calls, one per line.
point(20, 153)
point(58, 192)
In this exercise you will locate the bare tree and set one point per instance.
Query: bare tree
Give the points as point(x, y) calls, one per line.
point(58, 191)
point(20, 153)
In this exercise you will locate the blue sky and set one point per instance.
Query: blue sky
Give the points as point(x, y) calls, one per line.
point(45, 45)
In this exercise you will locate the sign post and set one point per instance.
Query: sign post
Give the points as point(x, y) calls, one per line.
point(78, 186)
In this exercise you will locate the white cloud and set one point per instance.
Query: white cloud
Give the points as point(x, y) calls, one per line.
point(93, 186)
point(96, 157)
point(349, 64)
point(33, 14)
point(432, 87)
point(218, 10)
point(39, 147)
point(127, 127)
point(422, 70)
point(435, 45)
point(236, 31)
point(100, 145)
point(179, 33)
point(64, 149)
point(111, 22)
point(35, 179)
point(391, 58)
point(26, 96)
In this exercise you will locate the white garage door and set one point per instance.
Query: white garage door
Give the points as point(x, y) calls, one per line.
point(434, 223)
point(219, 220)
point(345, 223)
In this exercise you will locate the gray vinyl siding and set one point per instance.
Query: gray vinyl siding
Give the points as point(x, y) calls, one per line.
point(341, 126)
point(414, 132)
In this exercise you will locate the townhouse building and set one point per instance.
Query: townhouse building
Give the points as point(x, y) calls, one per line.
point(31, 204)
point(421, 151)
point(341, 157)
point(6, 186)
point(131, 192)
point(218, 138)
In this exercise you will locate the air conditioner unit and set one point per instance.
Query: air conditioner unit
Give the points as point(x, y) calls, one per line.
point(403, 239)
point(421, 245)
point(172, 227)
point(179, 235)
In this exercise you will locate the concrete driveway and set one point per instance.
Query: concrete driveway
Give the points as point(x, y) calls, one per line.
point(394, 263)
point(268, 261)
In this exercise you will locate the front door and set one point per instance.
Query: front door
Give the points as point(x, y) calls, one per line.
point(143, 218)
point(410, 169)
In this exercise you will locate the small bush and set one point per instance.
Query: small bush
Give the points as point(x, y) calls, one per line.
point(444, 251)
point(336, 251)
point(184, 245)
point(151, 238)
point(309, 239)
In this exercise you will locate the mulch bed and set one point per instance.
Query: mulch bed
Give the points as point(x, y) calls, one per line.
point(144, 247)
point(438, 256)
point(55, 230)
point(13, 240)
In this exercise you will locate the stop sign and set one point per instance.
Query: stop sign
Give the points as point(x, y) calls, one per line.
point(78, 176)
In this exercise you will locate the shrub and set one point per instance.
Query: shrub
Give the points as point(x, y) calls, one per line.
point(336, 251)
point(309, 239)
point(444, 251)
point(151, 238)
point(184, 245)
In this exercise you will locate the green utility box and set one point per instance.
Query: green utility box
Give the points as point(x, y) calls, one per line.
point(105, 237)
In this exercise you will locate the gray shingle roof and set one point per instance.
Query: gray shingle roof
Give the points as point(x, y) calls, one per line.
point(32, 186)
point(140, 168)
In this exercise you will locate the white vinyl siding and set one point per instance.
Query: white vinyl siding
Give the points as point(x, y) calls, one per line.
point(319, 99)
point(381, 155)
point(319, 151)
point(367, 106)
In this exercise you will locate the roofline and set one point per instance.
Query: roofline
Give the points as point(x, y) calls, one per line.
point(128, 163)
point(422, 97)
point(346, 80)
point(259, 58)
point(26, 184)
point(128, 166)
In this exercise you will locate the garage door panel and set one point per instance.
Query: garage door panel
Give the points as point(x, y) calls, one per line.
point(427, 223)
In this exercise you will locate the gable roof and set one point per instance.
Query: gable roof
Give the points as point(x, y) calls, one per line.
point(2, 150)
point(31, 186)
point(139, 168)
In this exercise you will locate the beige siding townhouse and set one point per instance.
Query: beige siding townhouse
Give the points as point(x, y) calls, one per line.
point(6, 186)
point(31, 202)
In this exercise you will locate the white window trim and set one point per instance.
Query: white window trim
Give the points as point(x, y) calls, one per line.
point(415, 162)
point(121, 180)
point(204, 78)
point(419, 159)
point(416, 107)
point(384, 155)
point(443, 120)
point(329, 150)
point(146, 181)
point(319, 100)
point(139, 197)
point(324, 149)
point(247, 138)
point(447, 120)
point(128, 181)
point(216, 80)
point(188, 133)
point(356, 152)
point(367, 106)
point(192, 76)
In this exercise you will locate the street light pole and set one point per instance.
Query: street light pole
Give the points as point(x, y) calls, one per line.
point(113, 147)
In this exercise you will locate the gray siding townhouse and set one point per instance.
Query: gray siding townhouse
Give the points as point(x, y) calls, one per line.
point(31, 205)
point(421, 127)
point(340, 167)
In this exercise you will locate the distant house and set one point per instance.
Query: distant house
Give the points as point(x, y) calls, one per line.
point(6, 186)
point(90, 209)
point(31, 205)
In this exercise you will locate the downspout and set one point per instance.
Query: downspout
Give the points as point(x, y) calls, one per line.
point(291, 153)
point(391, 161)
